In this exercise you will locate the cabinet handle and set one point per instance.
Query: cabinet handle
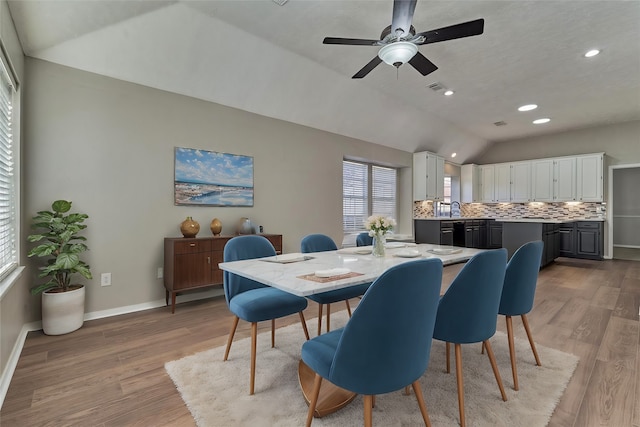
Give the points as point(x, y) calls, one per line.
point(208, 260)
point(192, 244)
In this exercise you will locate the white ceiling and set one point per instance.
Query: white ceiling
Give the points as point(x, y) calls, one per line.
point(269, 59)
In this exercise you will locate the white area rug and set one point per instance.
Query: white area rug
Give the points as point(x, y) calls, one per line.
point(217, 392)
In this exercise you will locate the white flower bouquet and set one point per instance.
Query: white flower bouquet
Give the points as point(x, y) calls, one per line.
point(379, 225)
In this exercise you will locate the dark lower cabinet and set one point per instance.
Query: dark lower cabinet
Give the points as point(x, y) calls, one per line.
point(582, 239)
point(494, 234)
point(551, 239)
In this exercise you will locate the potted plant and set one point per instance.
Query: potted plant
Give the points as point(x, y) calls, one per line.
point(62, 300)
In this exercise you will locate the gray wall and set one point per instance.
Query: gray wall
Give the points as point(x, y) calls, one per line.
point(620, 142)
point(15, 304)
point(108, 146)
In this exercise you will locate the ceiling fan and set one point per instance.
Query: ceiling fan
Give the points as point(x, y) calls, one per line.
point(400, 42)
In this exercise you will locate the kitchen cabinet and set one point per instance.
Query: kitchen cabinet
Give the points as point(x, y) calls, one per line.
point(502, 182)
point(494, 234)
point(470, 184)
point(564, 179)
point(551, 240)
point(516, 233)
point(589, 239)
point(428, 176)
point(582, 239)
point(520, 188)
point(542, 180)
point(487, 184)
point(475, 235)
point(589, 177)
point(192, 263)
point(434, 232)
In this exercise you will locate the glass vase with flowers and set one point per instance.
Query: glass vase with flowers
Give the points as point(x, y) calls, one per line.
point(378, 227)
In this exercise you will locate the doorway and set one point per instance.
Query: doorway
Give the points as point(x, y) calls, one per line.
point(624, 215)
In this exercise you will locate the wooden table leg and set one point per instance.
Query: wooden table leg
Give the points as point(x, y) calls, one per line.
point(173, 302)
point(331, 398)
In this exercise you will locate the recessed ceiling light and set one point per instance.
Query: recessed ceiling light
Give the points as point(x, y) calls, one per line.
point(453, 154)
point(528, 107)
point(541, 121)
point(591, 53)
point(448, 93)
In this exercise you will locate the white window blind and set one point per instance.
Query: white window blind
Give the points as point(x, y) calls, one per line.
point(8, 256)
point(367, 189)
point(355, 192)
point(383, 191)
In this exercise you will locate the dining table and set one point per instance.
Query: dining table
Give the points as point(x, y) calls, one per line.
point(305, 274)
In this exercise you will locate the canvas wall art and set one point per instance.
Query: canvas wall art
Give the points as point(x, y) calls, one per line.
point(209, 178)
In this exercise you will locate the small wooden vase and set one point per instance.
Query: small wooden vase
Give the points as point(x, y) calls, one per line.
point(189, 227)
point(216, 227)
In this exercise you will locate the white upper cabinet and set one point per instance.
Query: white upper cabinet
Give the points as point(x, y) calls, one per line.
point(520, 182)
point(542, 181)
point(564, 179)
point(428, 176)
point(487, 184)
point(589, 178)
point(502, 181)
point(470, 184)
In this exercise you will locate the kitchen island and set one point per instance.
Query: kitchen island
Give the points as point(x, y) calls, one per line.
point(517, 232)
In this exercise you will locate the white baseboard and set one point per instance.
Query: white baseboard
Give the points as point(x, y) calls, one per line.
point(12, 362)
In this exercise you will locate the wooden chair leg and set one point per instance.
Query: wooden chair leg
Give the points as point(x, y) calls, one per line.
point(525, 322)
point(448, 354)
point(373, 401)
point(482, 350)
point(328, 317)
point(512, 352)
point(317, 382)
point(273, 333)
point(304, 325)
point(423, 408)
point(319, 319)
point(406, 391)
point(494, 366)
point(254, 340)
point(460, 382)
point(368, 411)
point(348, 307)
point(232, 332)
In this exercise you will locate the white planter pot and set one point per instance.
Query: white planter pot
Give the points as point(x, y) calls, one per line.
point(62, 312)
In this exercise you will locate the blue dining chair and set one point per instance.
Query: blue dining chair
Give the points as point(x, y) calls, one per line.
point(323, 243)
point(363, 239)
point(386, 344)
point(468, 310)
point(252, 301)
point(518, 293)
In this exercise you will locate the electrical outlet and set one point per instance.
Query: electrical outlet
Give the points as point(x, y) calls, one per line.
point(105, 279)
point(160, 273)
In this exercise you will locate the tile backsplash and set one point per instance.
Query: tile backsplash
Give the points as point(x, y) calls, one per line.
point(570, 210)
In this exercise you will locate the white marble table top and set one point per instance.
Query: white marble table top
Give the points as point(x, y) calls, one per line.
point(281, 273)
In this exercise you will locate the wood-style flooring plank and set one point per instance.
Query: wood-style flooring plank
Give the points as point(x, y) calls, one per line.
point(111, 371)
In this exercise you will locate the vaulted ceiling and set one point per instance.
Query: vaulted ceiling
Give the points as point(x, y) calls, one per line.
point(269, 59)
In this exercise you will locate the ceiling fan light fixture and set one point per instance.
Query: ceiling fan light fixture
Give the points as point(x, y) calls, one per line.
point(398, 53)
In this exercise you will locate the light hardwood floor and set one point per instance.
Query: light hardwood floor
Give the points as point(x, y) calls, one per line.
point(111, 371)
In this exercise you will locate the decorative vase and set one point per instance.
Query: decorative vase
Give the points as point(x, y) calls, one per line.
point(244, 226)
point(62, 312)
point(189, 227)
point(379, 240)
point(216, 226)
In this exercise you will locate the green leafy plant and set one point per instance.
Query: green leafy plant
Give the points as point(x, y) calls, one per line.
point(62, 245)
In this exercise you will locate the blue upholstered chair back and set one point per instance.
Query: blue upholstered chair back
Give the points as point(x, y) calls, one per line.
point(317, 243)
point(520, 280)
point(468, 310)
point(364, 239)
point(239, 248)
point(386, 343)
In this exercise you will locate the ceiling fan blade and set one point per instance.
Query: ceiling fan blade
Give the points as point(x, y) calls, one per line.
point(466, 29)
point(356, 42)
point(367, 68)
point(402, 16)
point(422, 64)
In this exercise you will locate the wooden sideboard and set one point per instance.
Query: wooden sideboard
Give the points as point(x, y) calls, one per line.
point(192, 263)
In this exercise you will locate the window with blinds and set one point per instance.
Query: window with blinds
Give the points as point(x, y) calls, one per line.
point(366, 190)
point(8, 256)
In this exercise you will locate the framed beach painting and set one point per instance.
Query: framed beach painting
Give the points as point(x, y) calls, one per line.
point(209, 178)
